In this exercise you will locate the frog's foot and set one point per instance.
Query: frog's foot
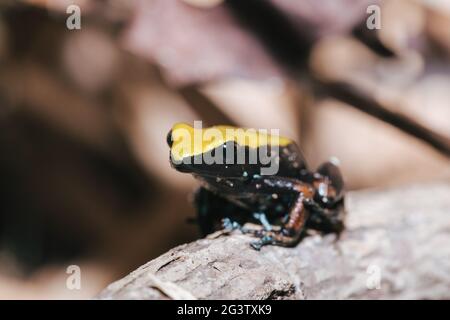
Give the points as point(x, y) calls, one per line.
point(282, 238)
point(230, 225)
point(264, 240)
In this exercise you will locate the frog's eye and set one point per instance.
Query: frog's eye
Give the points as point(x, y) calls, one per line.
point(169, 139)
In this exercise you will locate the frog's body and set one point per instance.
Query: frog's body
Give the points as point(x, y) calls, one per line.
point(294, 198)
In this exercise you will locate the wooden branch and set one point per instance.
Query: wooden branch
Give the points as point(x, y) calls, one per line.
point(400, 236)
point(355, 97)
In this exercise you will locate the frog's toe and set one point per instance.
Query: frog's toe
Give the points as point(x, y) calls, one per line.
point(256, 245)
point(230, 225)
point(264, 240)
point(262, 218)
point(278, 238)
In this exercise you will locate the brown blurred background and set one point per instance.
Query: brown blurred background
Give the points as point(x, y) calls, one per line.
point(84, 171)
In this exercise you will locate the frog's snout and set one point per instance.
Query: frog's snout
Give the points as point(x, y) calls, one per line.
point(169, 139)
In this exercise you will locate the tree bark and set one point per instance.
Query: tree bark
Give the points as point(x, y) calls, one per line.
point(396, 246)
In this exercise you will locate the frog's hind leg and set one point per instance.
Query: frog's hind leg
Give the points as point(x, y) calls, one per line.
point(327, 220)
point(327, 209)
point(329, 183)
point(215, 213)
point(292, 229)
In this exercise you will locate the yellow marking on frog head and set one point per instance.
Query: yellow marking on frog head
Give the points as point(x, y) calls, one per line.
point(188, 141)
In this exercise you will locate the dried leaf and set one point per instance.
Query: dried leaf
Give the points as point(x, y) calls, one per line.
point(196, 45)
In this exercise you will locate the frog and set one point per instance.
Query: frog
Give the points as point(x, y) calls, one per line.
point(285, 206)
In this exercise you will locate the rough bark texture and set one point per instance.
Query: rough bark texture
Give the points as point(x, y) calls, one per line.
point(402, 233)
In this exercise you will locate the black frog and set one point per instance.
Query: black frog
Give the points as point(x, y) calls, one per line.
point(239, 184)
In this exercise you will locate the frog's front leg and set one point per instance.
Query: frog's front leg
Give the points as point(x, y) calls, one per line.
point(292, 229)
point(216, 213)
point(262, 218)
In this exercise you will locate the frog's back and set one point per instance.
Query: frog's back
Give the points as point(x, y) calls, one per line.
point(292, 163)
